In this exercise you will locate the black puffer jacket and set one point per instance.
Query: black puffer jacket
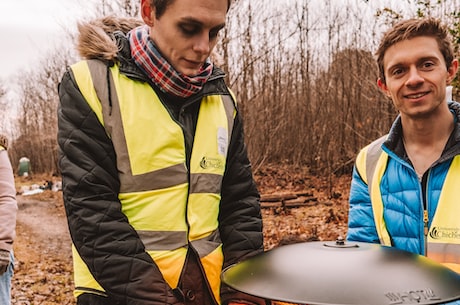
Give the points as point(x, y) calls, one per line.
point(109, 246)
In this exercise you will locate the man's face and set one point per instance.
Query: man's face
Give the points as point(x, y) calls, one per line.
point(187, 32)
point(416, 76)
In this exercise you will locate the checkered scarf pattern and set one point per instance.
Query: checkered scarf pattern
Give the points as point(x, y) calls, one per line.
point(148, 59)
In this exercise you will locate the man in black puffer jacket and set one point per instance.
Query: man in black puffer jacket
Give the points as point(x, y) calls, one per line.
point(157, 185)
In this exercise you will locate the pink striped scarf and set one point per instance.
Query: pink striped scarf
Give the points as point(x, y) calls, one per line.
point(149, 59)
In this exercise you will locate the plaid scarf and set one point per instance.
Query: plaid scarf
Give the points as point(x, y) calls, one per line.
point(148, 59)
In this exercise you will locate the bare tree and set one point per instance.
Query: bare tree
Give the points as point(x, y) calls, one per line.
point(126, 8)
point(303, 73)
point(35, 136)
point(37, 126)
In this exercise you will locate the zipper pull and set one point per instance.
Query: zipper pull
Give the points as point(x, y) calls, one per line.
point(425, 222)
point(425, 231)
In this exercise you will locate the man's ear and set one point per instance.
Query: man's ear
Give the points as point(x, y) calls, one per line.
point(452, 71)
point(383, 86)
point(147, 12)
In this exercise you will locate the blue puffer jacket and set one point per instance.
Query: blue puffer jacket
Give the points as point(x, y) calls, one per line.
point(403, 200)
point(402, 193)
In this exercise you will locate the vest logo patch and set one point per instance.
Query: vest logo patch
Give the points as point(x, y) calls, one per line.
point(445, 233)
point(207, 162)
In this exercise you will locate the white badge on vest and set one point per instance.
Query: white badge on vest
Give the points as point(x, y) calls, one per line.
point(222, 141)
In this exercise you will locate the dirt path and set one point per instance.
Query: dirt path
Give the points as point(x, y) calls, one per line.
point(43, 273)
point(46, 221)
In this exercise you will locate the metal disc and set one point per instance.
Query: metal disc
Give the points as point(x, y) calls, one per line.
point(351, 273)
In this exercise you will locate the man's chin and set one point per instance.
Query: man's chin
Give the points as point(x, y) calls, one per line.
point(190, 72)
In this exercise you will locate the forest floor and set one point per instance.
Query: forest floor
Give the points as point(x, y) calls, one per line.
point(296, 207)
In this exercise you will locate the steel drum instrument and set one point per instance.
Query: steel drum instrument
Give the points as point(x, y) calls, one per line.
point(344, 273)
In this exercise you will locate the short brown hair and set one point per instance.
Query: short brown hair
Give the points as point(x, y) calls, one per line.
point(161, 6)
point(412, 28)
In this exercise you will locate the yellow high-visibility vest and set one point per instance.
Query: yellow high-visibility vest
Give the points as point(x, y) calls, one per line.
point(170, 206)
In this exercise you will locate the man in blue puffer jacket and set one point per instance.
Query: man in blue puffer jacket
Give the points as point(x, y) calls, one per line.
point(404, 187)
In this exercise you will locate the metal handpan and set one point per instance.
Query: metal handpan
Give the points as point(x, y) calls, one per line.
point(344, 273)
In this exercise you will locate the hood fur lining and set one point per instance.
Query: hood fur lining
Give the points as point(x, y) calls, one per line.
point(95, 39)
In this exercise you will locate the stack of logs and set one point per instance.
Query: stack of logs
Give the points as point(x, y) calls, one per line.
point(288, 200)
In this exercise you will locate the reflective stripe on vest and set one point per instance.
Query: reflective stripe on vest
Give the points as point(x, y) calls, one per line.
point(444, 233)
point(168, 206)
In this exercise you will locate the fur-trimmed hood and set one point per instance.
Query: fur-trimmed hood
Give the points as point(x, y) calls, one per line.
point(96, 39)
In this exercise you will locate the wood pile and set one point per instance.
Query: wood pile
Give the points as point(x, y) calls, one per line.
point(288, 200)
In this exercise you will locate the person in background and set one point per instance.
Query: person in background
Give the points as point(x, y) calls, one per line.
point(404, 186)
point(157, 185)
point(24, 167)
point(8, 211)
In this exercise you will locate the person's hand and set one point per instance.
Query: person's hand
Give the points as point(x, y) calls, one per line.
point(4, 261)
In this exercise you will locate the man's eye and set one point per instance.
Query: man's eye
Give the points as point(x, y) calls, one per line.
point(397, 71)
point(213, 34)
point(428, 64)
point(189, 30)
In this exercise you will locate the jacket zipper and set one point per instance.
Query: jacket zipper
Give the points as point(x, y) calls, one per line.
point(426, 219)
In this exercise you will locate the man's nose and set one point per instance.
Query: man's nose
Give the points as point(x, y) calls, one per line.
point(414, 77)
point(202, 44)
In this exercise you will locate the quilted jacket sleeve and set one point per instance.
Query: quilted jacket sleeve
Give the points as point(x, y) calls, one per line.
point(107, 243)
point(361, 224)
point(240, 221)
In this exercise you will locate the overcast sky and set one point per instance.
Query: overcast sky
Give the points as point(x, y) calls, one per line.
point(28, 28)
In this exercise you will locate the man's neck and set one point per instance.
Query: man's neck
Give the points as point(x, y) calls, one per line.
point(428, 131)
point(425, 138)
